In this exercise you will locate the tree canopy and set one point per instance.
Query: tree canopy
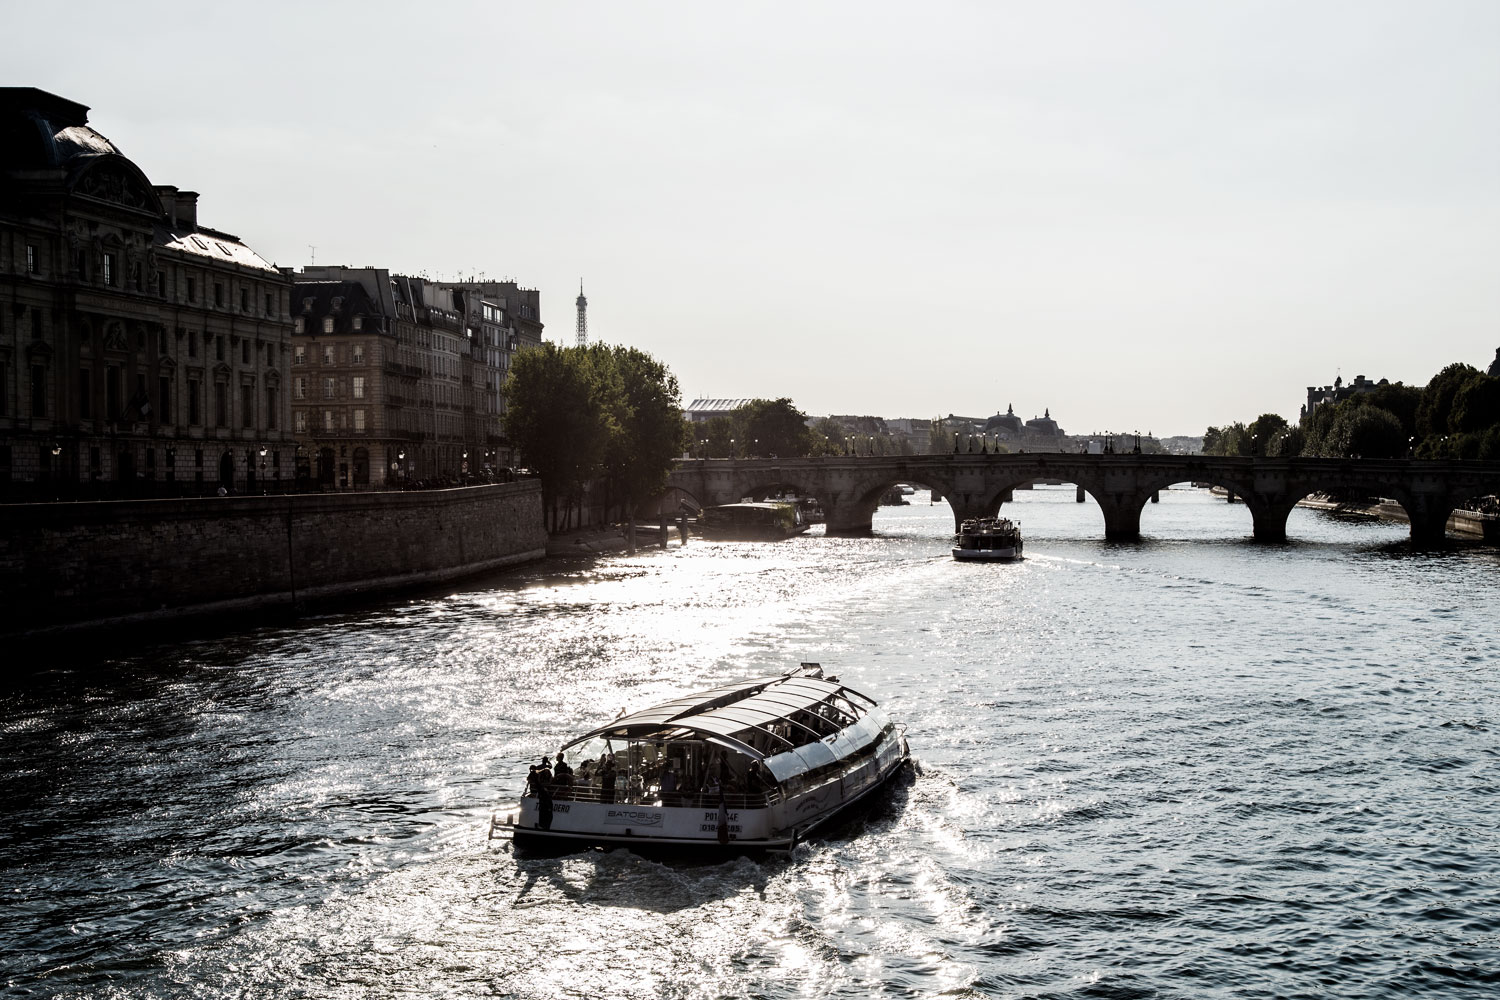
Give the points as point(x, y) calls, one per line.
point(1456, 415)
point(581, 414)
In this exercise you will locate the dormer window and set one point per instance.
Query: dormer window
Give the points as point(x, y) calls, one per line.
point(327, 324)
point(359, 322)
point(298, 326)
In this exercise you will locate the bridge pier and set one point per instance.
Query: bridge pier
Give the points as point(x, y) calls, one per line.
point(1428, 515)
point(1122, 517)
point(1270, 522)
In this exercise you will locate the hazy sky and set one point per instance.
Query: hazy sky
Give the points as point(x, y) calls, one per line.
point(1147, 215)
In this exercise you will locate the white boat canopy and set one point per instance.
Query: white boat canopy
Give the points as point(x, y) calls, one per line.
point(726, 715)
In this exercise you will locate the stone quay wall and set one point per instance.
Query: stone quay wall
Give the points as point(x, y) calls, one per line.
point(71, 564)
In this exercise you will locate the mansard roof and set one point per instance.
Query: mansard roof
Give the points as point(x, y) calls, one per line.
point(343, 300)
point(220, 247)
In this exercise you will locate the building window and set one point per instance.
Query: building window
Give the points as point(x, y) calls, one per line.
point(36, 324)
point(219, 294)
point(244, 300)
point(195, 402)
point(270, 309)
point(219, 347)
point(161, 284)
point(270, 407)
point(299, 355)
point(358, 387)
point(359, 322)
point(82, 263)
point(38, 391)
point(328, 420)
point(164, 400)
point(221, 404)
point(192, 343)
point(358, 354)
point(85, 397)
point(298, 326)
point(359, 421)
point(112, 392)
point(328, 387)
point(327, 324)
point(247, 406)
point(244, 352)
point(299, 387)
point(109, 269)
point(299, 421)
point(328, 354)
point(31, 261)
point(192, 289)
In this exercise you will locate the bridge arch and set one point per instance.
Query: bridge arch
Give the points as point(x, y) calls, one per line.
point(1267, 516)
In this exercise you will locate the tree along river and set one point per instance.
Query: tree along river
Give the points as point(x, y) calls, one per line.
point(1191, 766)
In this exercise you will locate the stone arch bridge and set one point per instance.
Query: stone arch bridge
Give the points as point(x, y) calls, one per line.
point(850, 487)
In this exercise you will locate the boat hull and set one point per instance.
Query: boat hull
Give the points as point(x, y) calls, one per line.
point(1008, 554)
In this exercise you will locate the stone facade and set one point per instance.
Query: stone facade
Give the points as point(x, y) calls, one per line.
point(140, 352)
point(67, 564)
point(399, 380)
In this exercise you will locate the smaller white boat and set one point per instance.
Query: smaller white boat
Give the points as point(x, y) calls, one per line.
point(988, 539)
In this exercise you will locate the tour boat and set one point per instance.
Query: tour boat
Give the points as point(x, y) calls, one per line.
point(751, 766)
point(988, 538)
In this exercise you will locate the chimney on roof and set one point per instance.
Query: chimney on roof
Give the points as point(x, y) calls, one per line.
point(168, 195)
point(180, 207)
point(187, 209)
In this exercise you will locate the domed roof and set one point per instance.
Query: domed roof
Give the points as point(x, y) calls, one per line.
point(1044, 424)
point(1007, 420)
point(41, 131)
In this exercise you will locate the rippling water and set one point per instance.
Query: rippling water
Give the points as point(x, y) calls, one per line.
point(1190, 766)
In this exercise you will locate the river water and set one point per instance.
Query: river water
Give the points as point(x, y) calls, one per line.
point(1192, 766)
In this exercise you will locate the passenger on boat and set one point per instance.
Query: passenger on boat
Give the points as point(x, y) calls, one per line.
point(537, 784)
point(756, 781)
point(607, 779)
point(669, 787)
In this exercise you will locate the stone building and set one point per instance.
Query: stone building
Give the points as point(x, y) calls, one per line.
point(500, 319)
point(397, 380)
point(140, 352)
point(1338, 392)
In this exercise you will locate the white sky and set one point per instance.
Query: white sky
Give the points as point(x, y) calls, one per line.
point(1145, 216)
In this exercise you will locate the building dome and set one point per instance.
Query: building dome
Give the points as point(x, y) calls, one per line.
point(43, 132)
point(1044, 425)
point(1007, 421)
